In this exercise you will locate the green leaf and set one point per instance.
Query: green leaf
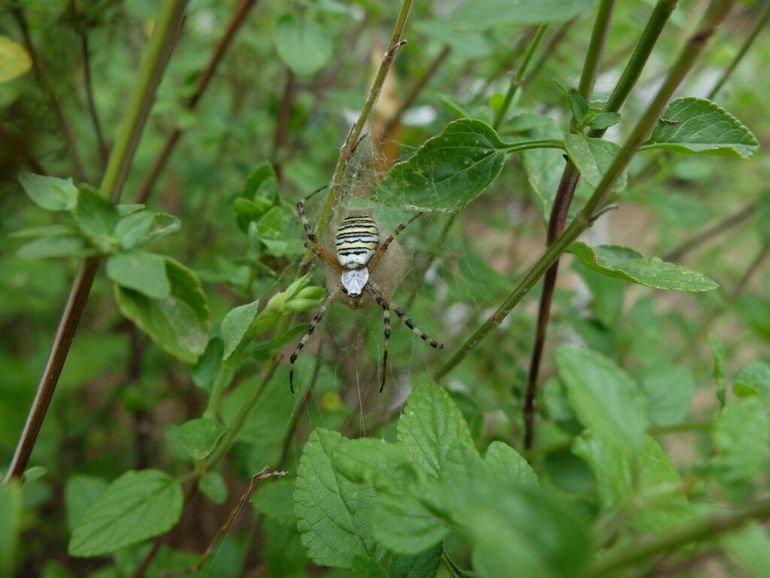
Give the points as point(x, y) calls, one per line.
point(11, 500)
point(741, 439)
point(137, 506)
point(447, 172)
point(33, 473)
point(592, 157)
point(669, 390)
point(405, 525)
point(178, 323)
point(205, 371)
point(140, 271)
point(144, 227)
point(577, 105)
point(235, 327)
point(199, 436)
point(79, 493)
point(14, 61)
point(332, 512)
point(543, 166)
point(718, 355)
point(425, 564)
point(302, 45)
point(270, 226)
point(604, 120)
point(699, 126)
point(484, 14)
point(273, 500)
point(53, 247)
point(49, 192)
point(625, 263)
point(430, 425)
point(754, 379)
point(751, 546)
point(96, 217)
point(213, 485)
point(385, 466)
point(261, 179)
point(604, 397)
point(508, 465)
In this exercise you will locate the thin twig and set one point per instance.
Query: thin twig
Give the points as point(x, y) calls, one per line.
point(714, 15)
point(570, 178)
point(150, 73)
point(238, 18)
point(282, 124)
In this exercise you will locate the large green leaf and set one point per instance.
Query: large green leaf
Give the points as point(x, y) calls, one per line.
point(592, 157)
point(741, 438)
point(430, 425)
point(697, 125)
point(605, 398)
point(11, 500)
point(405, 525)
point(425, 564)
point(484, 14)
point(332, 512)
point(625, 263)
point(140, 271)
point(138, 505)
point(302, 44)
point(50, 192)
point(387, 467)
point(447, 172)
point(79, 493)
point(508, 465)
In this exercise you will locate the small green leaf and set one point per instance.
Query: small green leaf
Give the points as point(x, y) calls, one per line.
point(302, 45)
point(140, 271)
point(52, 247)
point(261, 179)
point(200, 436)
point(137, 506)
point(50, 193)
point(274, 501)
point(144, 227)
point(96, 217)
point(669, 390)
point(751, 546)
point(270, 226)
point(33, 473)
point(577, 105)
point(754, 379)
point(741, 438)
point(11, 500)
point(332, 512)
point(625, 263)
point(430, 425)
point(718, 355)
point(79, 493)
point(592, 157)
point(484, 14)
point(213, 485)
point(14, 61)
point(235, 327)
point(699, 126)
point(447, 172)
point(604, 120)
point(45, 231)
point(205, 371)
point(604, 397)
point(508, 465)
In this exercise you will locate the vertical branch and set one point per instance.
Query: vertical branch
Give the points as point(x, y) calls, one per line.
point(150, 74)
point(715, 14)
point(282, 125)
point(571, 177)
point(238, 18)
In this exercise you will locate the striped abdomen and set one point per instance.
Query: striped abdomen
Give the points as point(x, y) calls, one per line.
point(356, 241)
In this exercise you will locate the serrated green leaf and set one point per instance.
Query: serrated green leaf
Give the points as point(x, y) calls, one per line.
point(741, 438)
point(669, 391)
point(140, 271)
point(508, 466)
point(754, 379)
point(178, 323)
point(699, 126)
point(592, 157)
point(137, 506)
point(484, 14)
point(96, 217)
point(447, 172)
point(274, 500)
point(11, 500)
point(50, 193)
point(79, 493)
point(213, 485)
point(199, 436)
point(604, 397)
point(332, 512)
point(625, 263)
point(14, 61)
point(302, 45)
point(53, 247)
point(430, 425)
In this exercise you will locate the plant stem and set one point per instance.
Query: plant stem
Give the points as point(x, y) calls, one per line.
point(150, 73)
point(709, 527)
point(759, 23)
point(714, 15)
point(223, 379)
point(237, 19)
point(282, 124)
point(516, 79)
point(348, 147)
point(558, 218)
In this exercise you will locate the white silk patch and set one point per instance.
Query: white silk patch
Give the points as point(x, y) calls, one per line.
point(354, 281)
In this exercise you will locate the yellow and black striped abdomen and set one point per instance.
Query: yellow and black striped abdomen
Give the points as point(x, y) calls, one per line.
point(356, 241)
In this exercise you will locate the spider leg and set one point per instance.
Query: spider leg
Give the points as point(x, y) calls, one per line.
point(311, 328)
point(385, 343)
point(312, 239)
point(384, 301)
point(386, 243)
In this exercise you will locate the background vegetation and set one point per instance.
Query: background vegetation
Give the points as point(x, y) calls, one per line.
point(151, 156)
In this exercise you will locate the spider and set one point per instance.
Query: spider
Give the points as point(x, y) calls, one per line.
point(359, 251)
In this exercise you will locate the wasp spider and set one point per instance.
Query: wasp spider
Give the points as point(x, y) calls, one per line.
point(358, 252)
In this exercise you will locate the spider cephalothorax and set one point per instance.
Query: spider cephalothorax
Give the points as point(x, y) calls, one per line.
point(358, 253)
